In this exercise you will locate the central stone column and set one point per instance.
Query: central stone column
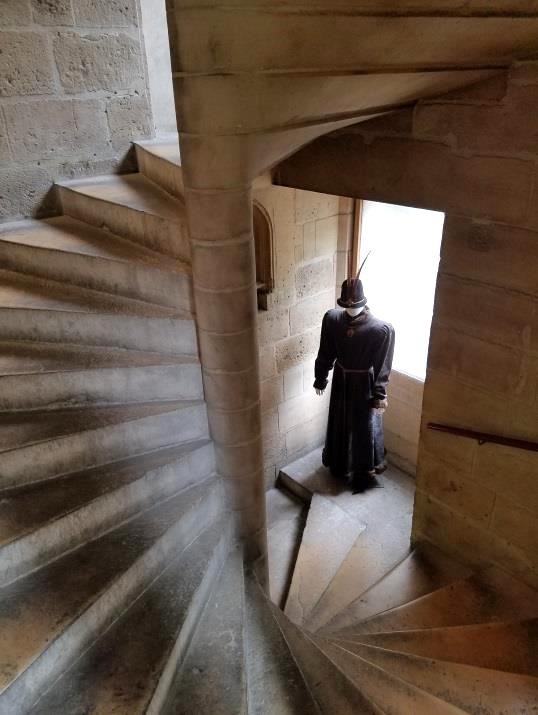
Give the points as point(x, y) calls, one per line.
point(224, 278)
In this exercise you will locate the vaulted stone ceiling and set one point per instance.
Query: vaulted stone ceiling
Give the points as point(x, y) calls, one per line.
point(268, 76)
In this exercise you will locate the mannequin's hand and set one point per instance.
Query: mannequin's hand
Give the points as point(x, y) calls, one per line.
point(380, 405)
point(319, 392)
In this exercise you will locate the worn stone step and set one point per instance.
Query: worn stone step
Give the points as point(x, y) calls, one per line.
point(101, 386)
point(489, 596)
point(50, 617)
point(130, 206)
point(160, 161)
point(83, 447)
point(424, 570)
point(475, 690)
point(172, 335)
point(66, 250)
point(275, 683)
point(387, 514)
point(23, 357)
point(125, 672)
point(286, 518)
point(21, 429)
point(327, 539)
point(42, 521)
point(392, 694)
point(510, 647)
point(307, 476)
point(26, 292)
point(330, 686)
point(211, 678)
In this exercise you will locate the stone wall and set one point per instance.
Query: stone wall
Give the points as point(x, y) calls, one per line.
point(73, 94)
point(311, 234)
point(473, 154)
point(402, 420)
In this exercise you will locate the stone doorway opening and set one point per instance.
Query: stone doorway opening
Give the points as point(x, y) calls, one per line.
point(403, 246)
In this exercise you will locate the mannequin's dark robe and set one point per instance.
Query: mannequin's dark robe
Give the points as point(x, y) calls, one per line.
point(360, 350)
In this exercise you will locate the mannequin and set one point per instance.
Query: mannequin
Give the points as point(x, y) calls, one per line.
point(360, 348)
point(352, 312)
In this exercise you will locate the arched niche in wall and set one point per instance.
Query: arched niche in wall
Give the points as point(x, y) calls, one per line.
point(263, 242)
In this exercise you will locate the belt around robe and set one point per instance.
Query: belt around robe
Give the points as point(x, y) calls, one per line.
point(346, 370)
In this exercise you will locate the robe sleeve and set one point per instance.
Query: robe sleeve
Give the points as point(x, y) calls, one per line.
point(382, 366)
point(326, 355)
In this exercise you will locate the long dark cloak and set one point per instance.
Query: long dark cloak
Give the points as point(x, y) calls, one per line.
point(360, 350)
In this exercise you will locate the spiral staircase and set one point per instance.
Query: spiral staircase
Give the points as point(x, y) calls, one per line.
point(123, 588)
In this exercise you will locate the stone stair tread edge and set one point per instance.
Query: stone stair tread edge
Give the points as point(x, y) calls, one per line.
point(133, 186)
point(71, 492)
point(509, 646)
point(160, 621)
point(210, 678)
point(491, 596)
point(330, 531)
point(463, 685)
point(117, 414)
point(418, 572)
point(23, 291)
point(71, 366)
point(321, 673)
point(274, 674)
point(392, 692)
point(112, 247)
point(50, 599)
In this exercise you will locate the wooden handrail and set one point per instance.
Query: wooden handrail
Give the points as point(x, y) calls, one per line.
point(485, 437)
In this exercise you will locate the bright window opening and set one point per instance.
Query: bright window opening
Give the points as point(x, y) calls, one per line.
point(400, 275)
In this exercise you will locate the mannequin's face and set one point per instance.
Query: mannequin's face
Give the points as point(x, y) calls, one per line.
point(353, 312)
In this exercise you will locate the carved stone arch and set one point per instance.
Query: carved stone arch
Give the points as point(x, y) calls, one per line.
point(263, 242)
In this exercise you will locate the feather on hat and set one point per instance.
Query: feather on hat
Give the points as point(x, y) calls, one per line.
point(352, 292)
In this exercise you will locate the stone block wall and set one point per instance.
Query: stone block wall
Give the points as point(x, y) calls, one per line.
point(477, 501)
point(311, 234)
point(73, 94)
point(402, 420)
point(474, 155)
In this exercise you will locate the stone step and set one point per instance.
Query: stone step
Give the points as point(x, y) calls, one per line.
point(83, 447)
point(101, 386)
point(42, 521)
point(174, 335)
point(327, 539)
point(22, 429)
point(159, 160)
point(491, 596)
point(286, 518)
point(65, 250)
point(307, 476)
point(333, 690)
point(474, 690)
point(387, 514)
point(392, 694)
point(211, 678)
point(23, 357)
point(130, 206)
point(50, 617)
point(424, 570)
point(26, 292)
point(510, 647)
point(126, 671)
point(275, 683)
